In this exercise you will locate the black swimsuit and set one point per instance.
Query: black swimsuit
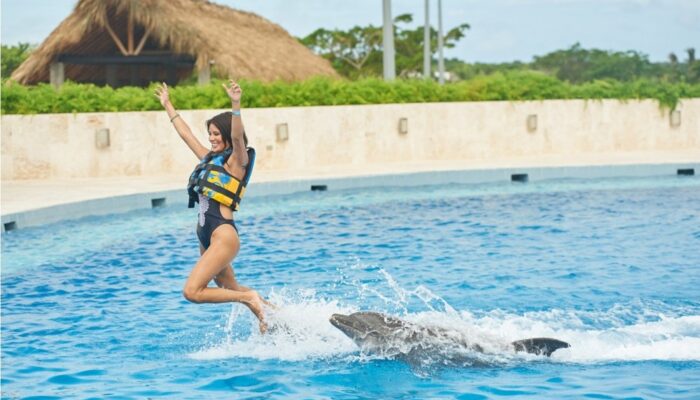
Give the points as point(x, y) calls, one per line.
point(210, 218)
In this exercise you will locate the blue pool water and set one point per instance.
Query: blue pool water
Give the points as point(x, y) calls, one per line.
point(92, 308)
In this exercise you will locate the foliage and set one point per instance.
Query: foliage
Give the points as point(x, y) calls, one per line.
point(514, 85)
point(409, 44)
point(578, 65)
point(357, 52)
point(465, 71)
point(349, 51)
point(581, 65)
point(13, 56)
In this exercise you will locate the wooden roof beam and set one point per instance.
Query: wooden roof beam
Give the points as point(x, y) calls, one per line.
point(142, 42)
point(180, 60)
point(116, 39)
point(130, 34)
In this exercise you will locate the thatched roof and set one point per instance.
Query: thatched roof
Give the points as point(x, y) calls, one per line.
point(241, 44)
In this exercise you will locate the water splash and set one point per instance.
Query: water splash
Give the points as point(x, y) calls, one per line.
point(299, 329)
point(384, 287)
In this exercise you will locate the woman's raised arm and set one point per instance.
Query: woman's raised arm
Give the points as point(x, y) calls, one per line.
point(234, 93)
point(180, 125)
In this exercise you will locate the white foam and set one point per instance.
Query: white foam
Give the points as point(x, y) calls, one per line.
point(669, 338)
point(301, 330)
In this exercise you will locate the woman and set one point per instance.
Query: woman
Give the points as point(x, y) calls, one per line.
point(217, 233)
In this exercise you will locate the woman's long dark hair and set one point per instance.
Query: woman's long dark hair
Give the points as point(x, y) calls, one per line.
point(223, 122)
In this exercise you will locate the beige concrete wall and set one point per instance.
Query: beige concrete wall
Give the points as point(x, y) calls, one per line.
point(62, 146)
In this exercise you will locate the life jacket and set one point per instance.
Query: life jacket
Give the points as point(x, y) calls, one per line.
point(210, 179)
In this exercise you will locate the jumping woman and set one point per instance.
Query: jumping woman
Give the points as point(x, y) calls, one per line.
point(218, 184)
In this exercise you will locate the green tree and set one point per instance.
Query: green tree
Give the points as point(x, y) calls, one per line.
point(13, 56)
point(466, 71)
point(577, 64)
point(348, 51)
point(409, 44)
point(358, 52)
point(673, 72)
point(692, 67)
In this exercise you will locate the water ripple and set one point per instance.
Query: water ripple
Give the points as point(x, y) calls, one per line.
point(610, 266)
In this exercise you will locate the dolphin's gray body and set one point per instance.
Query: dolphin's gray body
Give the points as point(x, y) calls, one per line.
point(392, 337)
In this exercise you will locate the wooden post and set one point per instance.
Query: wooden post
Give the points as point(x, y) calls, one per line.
point(57, 74)
point(152, 77)
point(133, 75)
point(111, 72)
point(171, 75)
point(204, 74)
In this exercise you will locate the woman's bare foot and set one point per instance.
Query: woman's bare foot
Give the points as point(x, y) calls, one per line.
point(267, 303)
point(254, 303)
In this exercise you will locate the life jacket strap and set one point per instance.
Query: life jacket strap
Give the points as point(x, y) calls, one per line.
point(204, 168)
point(214, 167)
point(234, 196)
point(192, 201)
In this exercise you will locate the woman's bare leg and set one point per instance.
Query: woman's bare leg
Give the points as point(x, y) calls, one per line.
point(227, 279)
point(224, 247)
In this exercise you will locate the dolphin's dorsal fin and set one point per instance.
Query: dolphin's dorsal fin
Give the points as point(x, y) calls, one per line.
point(540, 346)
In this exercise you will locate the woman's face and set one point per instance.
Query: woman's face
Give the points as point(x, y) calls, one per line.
point(216, 140)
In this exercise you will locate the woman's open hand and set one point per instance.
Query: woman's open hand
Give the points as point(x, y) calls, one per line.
point(234, 91)
point(162, 94)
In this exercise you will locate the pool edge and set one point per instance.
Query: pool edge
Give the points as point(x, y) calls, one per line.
point(155, 199)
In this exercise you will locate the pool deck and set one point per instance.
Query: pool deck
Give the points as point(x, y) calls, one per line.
point(33, 202)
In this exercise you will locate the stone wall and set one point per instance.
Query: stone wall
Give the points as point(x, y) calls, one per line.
point(64, 146)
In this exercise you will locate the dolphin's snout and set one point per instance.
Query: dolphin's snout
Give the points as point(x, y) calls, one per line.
point(345, 323)
point(338, 319)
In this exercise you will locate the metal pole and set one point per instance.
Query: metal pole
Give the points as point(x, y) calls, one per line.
point(426, 42)
point(441, 59)
point(389, 62)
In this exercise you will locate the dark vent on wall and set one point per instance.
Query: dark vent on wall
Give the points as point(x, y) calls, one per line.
point(10, 226)
point(319, 188)
point(157, 203)
point(518, 178)
point(686, 171)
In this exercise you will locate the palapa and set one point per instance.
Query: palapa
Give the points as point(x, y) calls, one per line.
point(235, 43)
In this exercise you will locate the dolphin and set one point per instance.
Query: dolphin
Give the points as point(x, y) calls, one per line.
point(391, 337)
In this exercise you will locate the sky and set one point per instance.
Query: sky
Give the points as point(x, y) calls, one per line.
point(501, 30)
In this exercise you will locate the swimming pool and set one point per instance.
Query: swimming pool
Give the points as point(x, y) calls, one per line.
point(92, 308)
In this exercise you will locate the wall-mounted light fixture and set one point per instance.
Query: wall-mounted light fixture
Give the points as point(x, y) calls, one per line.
point(675, 118)
point(102, 138)
point(403, 126)
point(532, 123)
point(282, 132)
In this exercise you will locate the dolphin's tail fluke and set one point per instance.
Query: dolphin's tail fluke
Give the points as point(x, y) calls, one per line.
point(540, 346)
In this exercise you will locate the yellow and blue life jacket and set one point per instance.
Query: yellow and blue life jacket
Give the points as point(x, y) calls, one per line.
point(210, 179)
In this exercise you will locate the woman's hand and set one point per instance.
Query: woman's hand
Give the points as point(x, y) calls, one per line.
point(162, 94)
point(234, 91)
